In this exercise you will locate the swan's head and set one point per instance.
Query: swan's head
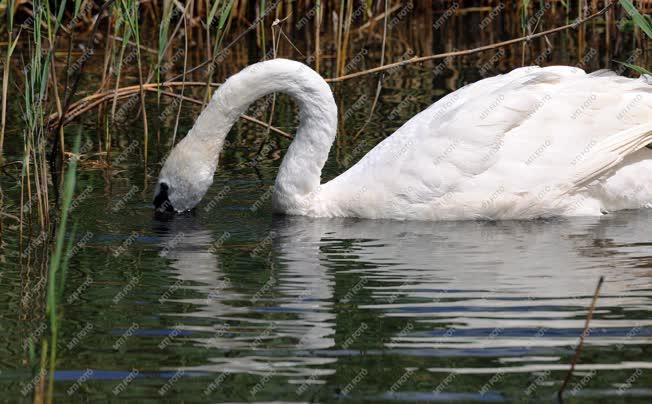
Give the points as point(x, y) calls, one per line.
point(185, 177)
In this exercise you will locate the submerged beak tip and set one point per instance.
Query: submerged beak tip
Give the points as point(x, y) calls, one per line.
point(163, 205)
point(161, 200)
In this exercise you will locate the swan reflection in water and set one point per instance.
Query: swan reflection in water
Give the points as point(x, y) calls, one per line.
point(475, 277)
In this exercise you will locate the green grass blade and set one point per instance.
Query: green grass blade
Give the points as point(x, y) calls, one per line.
point(638, 19)
point(66, 258)
point(638, 69)
point(57, 256)
point(10, 15)
point(211, 13)
point(226, 11)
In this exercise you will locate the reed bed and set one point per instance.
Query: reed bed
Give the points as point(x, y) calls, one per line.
point(116, 61)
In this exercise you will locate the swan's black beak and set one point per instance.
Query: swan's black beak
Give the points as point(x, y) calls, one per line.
point(161, 201)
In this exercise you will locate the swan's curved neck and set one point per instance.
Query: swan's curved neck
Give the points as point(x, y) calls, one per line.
point(300, 171)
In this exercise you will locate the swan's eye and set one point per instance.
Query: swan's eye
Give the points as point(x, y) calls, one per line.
point(161, 200)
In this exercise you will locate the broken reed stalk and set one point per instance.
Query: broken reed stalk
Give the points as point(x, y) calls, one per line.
point(471, 51)
point(245, 117)
point(376, 19)
point(585, 332)
point(94, 100)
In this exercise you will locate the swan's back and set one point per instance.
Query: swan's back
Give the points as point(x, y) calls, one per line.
point(498, 148)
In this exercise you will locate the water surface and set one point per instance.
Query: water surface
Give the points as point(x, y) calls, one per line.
point(235, 304)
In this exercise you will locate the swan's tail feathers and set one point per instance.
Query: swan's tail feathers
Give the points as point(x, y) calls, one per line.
point(607, 154)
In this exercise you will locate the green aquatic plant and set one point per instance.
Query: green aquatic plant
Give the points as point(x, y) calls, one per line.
point(636, 68)
point(11, 45)
point(215, 53)
point(59, 263)
point(130, 10)
point(37, 72)
point(641, 22)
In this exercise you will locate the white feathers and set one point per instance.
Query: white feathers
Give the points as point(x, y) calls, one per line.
point(506, 148)
point(535, 142)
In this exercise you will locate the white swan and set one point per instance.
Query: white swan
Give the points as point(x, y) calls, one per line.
point(535, 142)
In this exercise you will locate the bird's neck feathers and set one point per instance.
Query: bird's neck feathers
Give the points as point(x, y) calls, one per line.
point(299, 175)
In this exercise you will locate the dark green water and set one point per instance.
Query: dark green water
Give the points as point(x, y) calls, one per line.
point(235, 304)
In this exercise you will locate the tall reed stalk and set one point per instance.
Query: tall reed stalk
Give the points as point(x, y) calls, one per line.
point(11, 44)
point(58, 267)
point(130, 9)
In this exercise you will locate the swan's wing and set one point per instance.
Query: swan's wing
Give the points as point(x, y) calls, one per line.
point(491, 149)
point(588, 187)
point(608, 154)
point(581, 135)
